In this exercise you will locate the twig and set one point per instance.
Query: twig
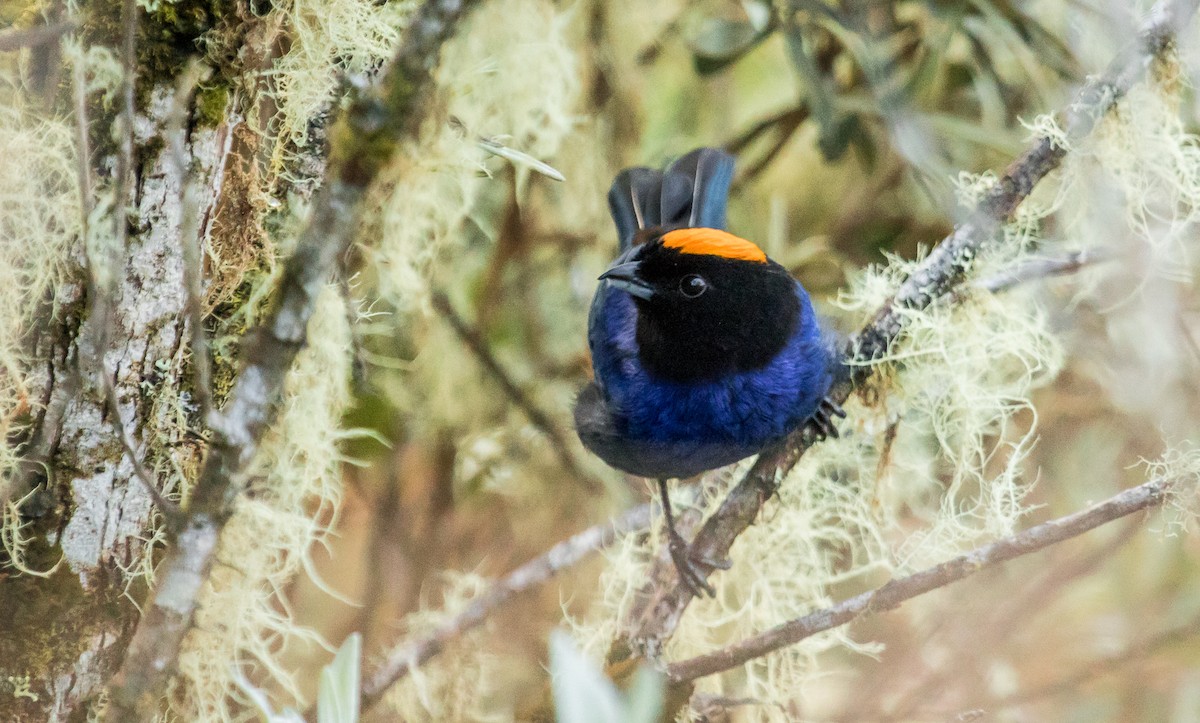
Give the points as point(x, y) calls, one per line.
point(129, 20)
point(1103, 666)
point(1043, 268)
point(83, 166)
point(541, 420)
point(1004, 616)
point(189, 235)
point(787, 116)
point(169, 509)
point(99, 281)
point(32, 37)
point(654, 619)
point(364, 140)
point(891, 595)
point(402, 660)
point(37, 451)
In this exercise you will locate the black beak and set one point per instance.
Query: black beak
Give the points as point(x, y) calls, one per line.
point(624, 277)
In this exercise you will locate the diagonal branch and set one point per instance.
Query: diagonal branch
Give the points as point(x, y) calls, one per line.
point(653, 619)
point(362, 143)
point(890, 596)
point(541, 420)
point(11, 40)
point(402, 660)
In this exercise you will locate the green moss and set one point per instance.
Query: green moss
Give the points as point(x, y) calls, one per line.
point(211, 102)
point(49, 623)
point(167, 36)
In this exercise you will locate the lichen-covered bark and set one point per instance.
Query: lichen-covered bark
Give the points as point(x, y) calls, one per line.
point(65, 633)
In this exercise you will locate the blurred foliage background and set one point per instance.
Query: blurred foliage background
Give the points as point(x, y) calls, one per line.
point(851, 121)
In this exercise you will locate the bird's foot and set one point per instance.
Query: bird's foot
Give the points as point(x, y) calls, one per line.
point(822, 419)
point(692, 567)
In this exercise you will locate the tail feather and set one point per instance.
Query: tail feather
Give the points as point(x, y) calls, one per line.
point(633, 201)
point(708, 172)
point(692, 192)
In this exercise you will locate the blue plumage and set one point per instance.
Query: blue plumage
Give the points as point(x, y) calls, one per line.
point(709, 424)
point(650, 424)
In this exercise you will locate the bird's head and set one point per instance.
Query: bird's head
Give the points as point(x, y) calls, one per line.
point(708, 303)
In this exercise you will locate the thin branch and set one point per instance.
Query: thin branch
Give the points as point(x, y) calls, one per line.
point(363, 141)
point(1003, 617)
point(129, 20)
point(1044, 268)
point(169, 509)
point(99, 282)
point(1103, 666)
point(38, 450)
point(654, 618)
point(541, 420)
point(83, 150)
point(402, 660)
point(39, 35)
point(890, 596)
point(190, 236)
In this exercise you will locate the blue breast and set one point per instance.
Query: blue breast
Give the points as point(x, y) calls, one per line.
point(745, 411)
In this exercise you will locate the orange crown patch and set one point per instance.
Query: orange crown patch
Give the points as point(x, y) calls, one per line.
point(712, 242)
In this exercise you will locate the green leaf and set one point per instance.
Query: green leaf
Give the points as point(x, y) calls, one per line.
point(720, 42)
point(337, 693)
point(647, 696)
point(582, 693)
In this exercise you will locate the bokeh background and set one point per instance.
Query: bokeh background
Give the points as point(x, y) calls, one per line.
point(404, 475)
point(851, 129)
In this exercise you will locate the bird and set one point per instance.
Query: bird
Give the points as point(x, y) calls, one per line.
point(704, 350)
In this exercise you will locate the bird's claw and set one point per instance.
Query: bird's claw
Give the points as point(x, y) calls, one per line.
point(690, 566)
point(822, 419)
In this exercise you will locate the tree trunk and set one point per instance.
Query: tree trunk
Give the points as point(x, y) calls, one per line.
point(89, 524)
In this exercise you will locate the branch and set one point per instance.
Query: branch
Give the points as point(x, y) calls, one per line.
point(1107, 664)
point(655, 616)
point(32, 37)
point(1043, 268)
point(1003, 617)
point(362, 143)
point(541, 420)
point(190, 236)
point(400, 661)
point(890, 596)
point(99, 276)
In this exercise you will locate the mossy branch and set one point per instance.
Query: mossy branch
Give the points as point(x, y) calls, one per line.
point(890, 596)
point(364, 141)
point(653, 620)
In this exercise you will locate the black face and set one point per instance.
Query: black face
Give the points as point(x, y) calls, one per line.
point(701, 317)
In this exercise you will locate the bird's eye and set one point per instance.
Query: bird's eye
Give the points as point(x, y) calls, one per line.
point(693, 285)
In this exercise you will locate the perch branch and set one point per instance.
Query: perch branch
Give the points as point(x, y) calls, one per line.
point(401, 660)
point(362, 142)
point(656, 614)
point(541, 420)
point(890, 596)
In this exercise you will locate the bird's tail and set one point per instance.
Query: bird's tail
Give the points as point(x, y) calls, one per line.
point(692, 192)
